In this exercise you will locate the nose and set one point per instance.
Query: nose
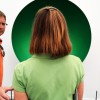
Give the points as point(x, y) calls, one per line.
point(2, 25)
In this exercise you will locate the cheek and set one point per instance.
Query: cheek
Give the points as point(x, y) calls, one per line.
point(3, 29)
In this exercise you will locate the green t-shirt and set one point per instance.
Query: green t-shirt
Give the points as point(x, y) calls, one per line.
point(45, 78)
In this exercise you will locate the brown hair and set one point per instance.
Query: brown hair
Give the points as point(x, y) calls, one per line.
point(2, 15)
point(50, 33)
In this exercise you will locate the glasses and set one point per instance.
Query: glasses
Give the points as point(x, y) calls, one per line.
point(3, 24)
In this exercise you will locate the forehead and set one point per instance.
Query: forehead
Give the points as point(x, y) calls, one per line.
point(2, 19)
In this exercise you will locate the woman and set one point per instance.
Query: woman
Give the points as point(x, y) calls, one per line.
point(51, 73)
point(3, 90)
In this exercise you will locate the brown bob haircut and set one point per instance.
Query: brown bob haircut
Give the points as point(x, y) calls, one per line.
point(2, 15)
point(50, 33)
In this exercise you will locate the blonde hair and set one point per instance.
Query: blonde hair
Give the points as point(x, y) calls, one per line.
point(2, 15)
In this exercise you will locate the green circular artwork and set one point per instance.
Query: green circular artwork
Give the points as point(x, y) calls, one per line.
point(78, 25)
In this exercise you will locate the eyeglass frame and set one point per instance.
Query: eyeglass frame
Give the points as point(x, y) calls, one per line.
point(4, 24)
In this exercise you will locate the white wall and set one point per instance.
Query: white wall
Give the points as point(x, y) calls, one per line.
point(92, 67)
point(92, 70)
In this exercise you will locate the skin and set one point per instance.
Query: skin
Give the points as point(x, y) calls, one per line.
point(2, 25)
point(3, 95)
point(80, 90)
point(20, 95)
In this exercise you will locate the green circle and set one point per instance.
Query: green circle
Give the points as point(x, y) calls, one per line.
point(78, 25)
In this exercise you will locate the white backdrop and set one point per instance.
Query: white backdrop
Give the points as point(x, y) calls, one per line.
point(92, 68)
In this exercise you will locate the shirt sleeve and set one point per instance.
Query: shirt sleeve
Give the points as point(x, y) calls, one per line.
point(18, 79)
point(81, 71)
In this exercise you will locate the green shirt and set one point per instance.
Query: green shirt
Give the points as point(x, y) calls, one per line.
point(45, 78)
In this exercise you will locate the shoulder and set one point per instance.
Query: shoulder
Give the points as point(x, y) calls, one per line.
point(78, 63)
point(73, 58)
point(74, 61)
point(23, 64)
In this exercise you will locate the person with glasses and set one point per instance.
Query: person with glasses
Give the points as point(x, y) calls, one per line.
point(3, 90)
point(52, 73)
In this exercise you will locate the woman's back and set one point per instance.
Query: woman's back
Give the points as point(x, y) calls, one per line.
point(42, 77)
point(45, 78)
